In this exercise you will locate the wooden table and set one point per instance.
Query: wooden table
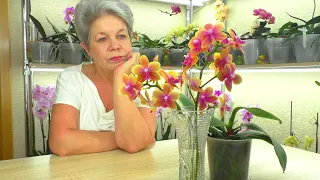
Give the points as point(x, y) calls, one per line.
point(159, 162)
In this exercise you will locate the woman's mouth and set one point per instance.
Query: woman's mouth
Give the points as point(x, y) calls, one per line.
point(116, 58)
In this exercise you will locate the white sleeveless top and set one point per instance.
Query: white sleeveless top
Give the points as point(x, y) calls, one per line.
point(75, 89)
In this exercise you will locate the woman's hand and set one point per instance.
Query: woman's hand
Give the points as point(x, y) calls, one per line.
point(133, 59)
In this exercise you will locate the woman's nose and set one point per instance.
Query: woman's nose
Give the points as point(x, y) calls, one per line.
point(114, 45)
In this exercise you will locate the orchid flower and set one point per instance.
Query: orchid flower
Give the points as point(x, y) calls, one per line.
point(165, 98)
point(131, 88)
point(210, 34)
point(147, 71)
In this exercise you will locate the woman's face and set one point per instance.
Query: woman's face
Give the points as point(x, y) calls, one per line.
point(109, 42)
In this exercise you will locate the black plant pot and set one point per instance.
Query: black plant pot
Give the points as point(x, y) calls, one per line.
point(152, 53)
point(176, 56)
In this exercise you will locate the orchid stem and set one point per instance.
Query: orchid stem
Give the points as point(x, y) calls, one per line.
point(194, 101)
point(209, 80)
point(166, 12)
point(43, 136)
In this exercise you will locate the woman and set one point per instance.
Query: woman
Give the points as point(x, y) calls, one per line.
point(89, 115)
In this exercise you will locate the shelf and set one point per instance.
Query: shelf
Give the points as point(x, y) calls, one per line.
point(197, 3)
point(304, 65)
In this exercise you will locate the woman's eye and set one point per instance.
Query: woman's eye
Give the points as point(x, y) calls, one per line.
point(122, 36)
point(102, 39)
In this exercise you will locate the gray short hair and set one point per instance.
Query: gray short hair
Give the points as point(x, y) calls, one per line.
point(88, 11)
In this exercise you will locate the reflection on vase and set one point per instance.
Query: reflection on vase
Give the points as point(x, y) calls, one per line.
point(192, 129)
point(228, 159)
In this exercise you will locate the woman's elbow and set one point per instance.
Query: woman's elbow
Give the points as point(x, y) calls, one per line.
point(134, 146)
point(57, 146)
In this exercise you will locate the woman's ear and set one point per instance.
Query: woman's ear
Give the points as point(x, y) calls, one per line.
point(85, 47)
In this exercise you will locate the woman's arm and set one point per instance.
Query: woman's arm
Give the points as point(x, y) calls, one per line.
point(134, 127)
point(66, 138)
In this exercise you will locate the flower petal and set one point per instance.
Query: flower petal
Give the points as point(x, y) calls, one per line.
point(237, 79)
point(137, 69)
point(144, 61)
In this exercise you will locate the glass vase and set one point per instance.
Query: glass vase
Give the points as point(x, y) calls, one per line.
point(192, 130)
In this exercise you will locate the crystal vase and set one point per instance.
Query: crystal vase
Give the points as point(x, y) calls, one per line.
point(192, 130)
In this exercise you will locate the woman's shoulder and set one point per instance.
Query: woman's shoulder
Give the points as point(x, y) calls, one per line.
point(72, 73)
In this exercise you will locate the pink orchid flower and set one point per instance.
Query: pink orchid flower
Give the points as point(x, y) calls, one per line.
point(131, 88)
point(147, 71)
point(211, 33)
point(41, 108)
point(235, 42)
point(175, 9)
point(206, 97)
point(229, 77)
point(165, 98)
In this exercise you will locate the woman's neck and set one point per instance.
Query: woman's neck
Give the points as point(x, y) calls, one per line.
point(100, 74)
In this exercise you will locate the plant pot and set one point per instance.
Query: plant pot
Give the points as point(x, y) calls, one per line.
point(192, 128)
point(152, 53)
point(68, 55)
point(305, 53)
point(237, 56)
point(277, 51)
point(253, 48)
point(135, 49)
point(40, 52)
point(228, 159)
point(176, 56)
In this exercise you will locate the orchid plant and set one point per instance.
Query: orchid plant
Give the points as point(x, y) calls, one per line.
point(221, 10)
point(258, 28)
point(69, 19)
point(215, 44)
point(228, 128)
point(43, 102)
point(175, 9)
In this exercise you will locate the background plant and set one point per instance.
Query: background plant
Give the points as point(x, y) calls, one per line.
point(42, 105)
point(143, 41)
point(221, 10)
point(311, 26)
point(179, 37)
point(258, 28)
point(175, 9)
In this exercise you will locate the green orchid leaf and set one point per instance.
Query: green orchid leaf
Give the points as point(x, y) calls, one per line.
point(53, 26)
point(251, 135)
point(233, 115)
point(317, 82)
point(277, 147)
point(215, 132)
point(255, 111)
point(38, 26)
point(314, 20)
point(262, 113)
point(297, 18)
point(215, 122)
point(167, 133)
point(186, 102)
point(254, 133)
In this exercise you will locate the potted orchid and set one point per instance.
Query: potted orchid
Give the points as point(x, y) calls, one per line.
point(70, 51)
point(178, 39)
point(194, 108)
point(42, 105)
point(40, 49)
point(254, 39)
point(232, 140)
